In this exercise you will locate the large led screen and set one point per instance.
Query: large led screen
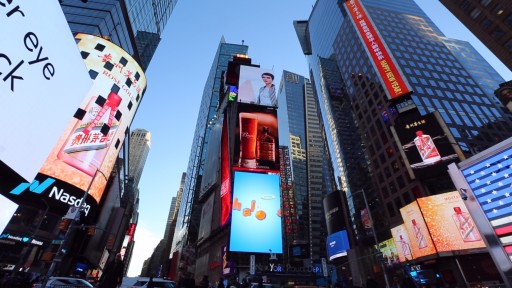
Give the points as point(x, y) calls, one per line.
point(426, 145)
point(490, 180)
point(256, 86)
point(337, 245)
point(256, 139)
point(402, 243)
point(421, 243)
point(225, 176)
point(43, 79)
point(333, 212)
point(395, 85)
point(85, 154)
point(256, 213)
point(389, 252)
point(449, 222)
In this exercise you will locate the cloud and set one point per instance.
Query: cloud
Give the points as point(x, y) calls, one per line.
point(145, 243)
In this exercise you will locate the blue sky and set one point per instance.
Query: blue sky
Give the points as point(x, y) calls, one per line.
point(178, 72)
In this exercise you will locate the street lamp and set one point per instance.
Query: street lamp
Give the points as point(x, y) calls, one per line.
point(373, 232)
point(58, 257)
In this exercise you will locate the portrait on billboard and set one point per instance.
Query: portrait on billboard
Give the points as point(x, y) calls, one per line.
point(256, 86)
point(256, 139)
point(427, 147)
point(256, 213)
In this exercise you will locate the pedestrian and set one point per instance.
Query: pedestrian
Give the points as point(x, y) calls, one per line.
point(221, 283)
point(113, 273)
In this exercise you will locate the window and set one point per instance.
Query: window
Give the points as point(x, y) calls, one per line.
point(497, 33)
point(485, 2)
point(486, 23)
point(474, 13)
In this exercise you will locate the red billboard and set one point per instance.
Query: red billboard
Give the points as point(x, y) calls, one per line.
point(395, 84)
point(225, 175)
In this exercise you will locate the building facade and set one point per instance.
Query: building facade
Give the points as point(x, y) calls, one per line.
point(490, 21)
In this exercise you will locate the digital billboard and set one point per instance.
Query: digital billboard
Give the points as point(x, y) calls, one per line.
point(337, 244)
point(333, 212)
point(256, 86)
point(489, 177)
point(87, 151)
point(421, 243)
point(394, 83)
point(8, 209)
point(449, 222)
point(402, 243)
point(43, 79)
point(256, 139)
point(427, 148)
point(389, 252)
point(225, 176)
point(256, 213)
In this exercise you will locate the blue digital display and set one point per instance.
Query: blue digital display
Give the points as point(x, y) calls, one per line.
point(256, 213)
point(337, 244)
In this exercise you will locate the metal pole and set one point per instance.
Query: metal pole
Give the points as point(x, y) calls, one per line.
point(58, 257)
point(375, 237)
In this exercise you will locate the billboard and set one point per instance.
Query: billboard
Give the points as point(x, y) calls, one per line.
point(421, 243)
point(84, 156)
point(225, 176)
point(206, 218)
point(43, 79)
point(401, 239)
point(256, 139)
point(8, 209)
point(427, 148)
point(333, 212)
point(449, 222)
point(256, 86)
point(394, 83)
point(389, 252)
point(337, 244)
point(256, 213)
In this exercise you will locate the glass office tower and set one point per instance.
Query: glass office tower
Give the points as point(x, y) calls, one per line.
point(310, 161)
point(189, 212)
point(134, 25)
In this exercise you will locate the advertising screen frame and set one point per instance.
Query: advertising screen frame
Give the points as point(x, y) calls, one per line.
point(256, 222)
point(337, 244)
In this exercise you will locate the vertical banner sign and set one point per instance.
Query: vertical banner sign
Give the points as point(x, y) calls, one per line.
point(395, 84)
point(252, 267)
point(87, 150)
point(225, 175)
point(42, 80)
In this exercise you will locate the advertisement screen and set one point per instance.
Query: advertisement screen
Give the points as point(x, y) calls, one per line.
point(256, 86)
point(337, 244)
point(490, 182)
point(426, 145)
point(8, 209)
point(256, 139)
point(225, 174)
point(449, 222)
point(85, 154)
point(43, 81)
point(402, 243)
point(389, 252)
point(333, 212)
point(256, 213)
point(394, 83)
point(421, 242)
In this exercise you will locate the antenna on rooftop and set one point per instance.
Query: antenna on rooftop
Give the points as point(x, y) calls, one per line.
point(242, 42)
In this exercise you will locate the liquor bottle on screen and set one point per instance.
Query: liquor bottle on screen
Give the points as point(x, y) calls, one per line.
point(464, 223)
point(420, 238)
point(426, 147)
point(266, 149)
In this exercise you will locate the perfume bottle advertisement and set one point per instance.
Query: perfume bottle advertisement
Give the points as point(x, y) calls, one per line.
point(420, 239)
point(402, 243)
point(87, 150)
point(450, 225)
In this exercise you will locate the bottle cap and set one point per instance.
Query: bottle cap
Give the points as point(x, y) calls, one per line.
point(419, 133)
point(457, 210)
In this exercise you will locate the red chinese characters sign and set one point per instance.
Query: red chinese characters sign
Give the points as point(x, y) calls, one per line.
point(387, 70)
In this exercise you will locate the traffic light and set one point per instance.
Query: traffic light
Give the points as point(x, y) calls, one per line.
point(91, 230)
point(64, 224)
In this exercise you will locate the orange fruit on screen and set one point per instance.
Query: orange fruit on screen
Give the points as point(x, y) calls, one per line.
point(260, 214)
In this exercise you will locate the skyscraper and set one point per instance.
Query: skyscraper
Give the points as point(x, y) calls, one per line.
point(140, 143)
point(189, 212)
point(444, 75)
point(136, 26)
point(490, 21)
point(311, 166)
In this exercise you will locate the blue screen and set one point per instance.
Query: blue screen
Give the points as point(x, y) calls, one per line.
point(256, 215)
point(337, 244)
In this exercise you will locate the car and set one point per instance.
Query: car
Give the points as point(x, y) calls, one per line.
point(142, 282)
point(60, 282)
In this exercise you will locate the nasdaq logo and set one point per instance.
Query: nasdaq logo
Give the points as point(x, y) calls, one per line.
point(34, 187)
